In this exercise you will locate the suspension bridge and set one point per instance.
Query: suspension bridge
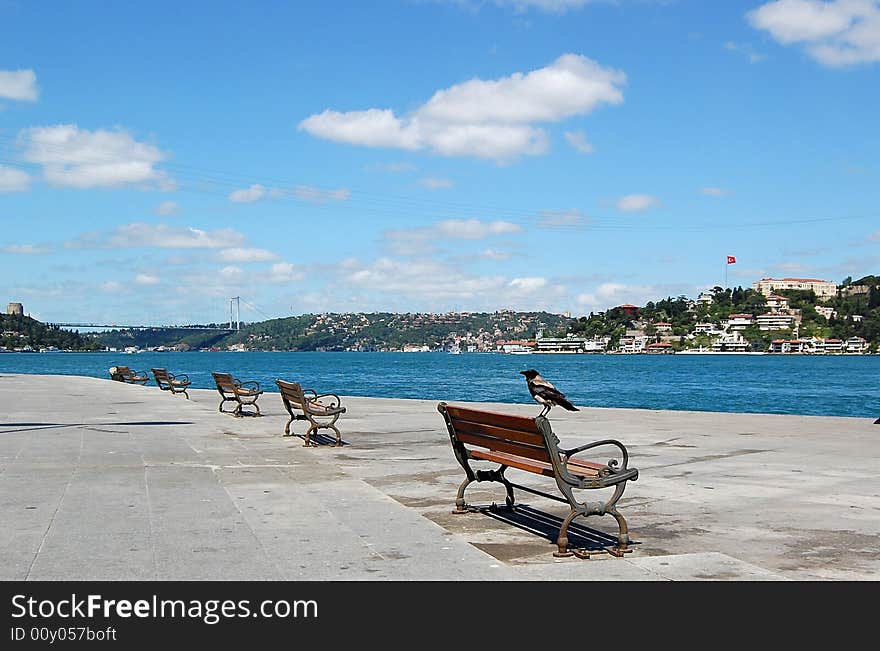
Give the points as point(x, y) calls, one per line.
point(233, 326)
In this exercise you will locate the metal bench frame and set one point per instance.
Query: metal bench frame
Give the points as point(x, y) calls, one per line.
point(170, 382)
point(530, 445)
point(314, 407)
point(244, 394)
point(125, 374)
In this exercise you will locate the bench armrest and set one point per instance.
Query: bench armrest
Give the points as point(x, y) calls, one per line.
point(250, 384)
point(612, 464)
point(333, 403)
point(180, 377)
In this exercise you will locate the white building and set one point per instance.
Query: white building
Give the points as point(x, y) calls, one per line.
point(790, 346)
point(663, 327)
point(777, 303)
point(706, 329)
point(822, 288)
point(740, 321)
point(772, 321)
point(830, 346)
point(732, 342)
point(633, 345)
point(855, 345)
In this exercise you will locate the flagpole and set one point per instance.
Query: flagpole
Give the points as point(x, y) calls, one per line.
point(726, 265)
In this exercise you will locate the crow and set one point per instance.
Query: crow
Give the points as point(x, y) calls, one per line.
point(545, 393)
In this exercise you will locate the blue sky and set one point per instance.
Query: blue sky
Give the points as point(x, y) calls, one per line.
point(159, 158)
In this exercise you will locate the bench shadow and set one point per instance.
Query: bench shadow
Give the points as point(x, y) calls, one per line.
point(546, 525)
point(26, 427)
point(323, 439)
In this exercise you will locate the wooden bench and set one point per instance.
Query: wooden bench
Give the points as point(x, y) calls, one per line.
point(529, 444)
point(321, 410)
point(125, 374)
point(171, 382)
point(244, 394)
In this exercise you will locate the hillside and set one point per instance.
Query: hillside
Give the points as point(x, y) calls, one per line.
point(18, 332)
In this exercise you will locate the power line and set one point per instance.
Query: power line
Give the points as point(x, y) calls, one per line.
point(365, 202)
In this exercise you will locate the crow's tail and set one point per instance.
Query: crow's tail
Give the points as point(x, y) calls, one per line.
point(562, 402)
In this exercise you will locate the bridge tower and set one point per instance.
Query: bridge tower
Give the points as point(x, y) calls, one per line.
point(235, 313)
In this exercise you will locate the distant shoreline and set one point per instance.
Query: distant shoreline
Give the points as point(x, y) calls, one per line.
point(482, 352)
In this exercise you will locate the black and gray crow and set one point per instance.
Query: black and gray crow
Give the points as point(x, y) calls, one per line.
point(545, 393)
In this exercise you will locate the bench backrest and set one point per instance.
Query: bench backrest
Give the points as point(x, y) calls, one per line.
point(124, 371)
point(519, 435)
point(225, 383)
point(291, 394)
point(161, 376)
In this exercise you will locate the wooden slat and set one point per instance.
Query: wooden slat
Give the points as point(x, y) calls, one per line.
point(521, 423)
point(575, 467)
point(511, 447)
point(585, 468)
point(470, 427)
point(514, 461)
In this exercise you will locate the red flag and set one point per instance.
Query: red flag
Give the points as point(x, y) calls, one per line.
point(731, 259)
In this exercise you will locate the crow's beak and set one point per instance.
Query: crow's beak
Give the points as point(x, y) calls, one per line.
point(523, 372)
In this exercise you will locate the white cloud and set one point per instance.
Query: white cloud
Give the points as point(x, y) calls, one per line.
point(317, 195)
point(637, 202)
point(250, 195)
point(423, 279)
point(13, 180)
point(493, 254)
point(162, 236)
point(111, 287)
point(435, 183)
point(73, 157)
point(18, 85)
point(25, 249)
point(418, 241)
point(473, 229)
point(563, 220)
point(231, 273)
point(438, 285)
point(578, 140)
point(146, 279)
point(714, 192)
point(528, 285)
point(239, 254)
point(611, 294)
point(284, 272)
point(550, 6)
point(167, 208)
point(491, 119)
point(746, 50)
point(393, 168)
point(836, 33)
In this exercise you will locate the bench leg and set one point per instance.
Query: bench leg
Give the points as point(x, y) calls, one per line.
point(287, 426)
point(623, 537)
point(460, 505)
point(338, 435)
point(562, 550)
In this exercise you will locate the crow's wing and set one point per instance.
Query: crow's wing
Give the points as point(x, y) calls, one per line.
point(548, 393)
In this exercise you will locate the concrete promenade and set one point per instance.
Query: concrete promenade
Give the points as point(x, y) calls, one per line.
point(108, 481)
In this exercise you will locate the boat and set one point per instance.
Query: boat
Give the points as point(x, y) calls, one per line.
point(516, 349)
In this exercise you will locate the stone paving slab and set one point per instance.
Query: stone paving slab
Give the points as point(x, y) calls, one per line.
point(103, 480)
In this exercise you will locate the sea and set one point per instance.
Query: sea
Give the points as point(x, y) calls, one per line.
point(827, 385)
